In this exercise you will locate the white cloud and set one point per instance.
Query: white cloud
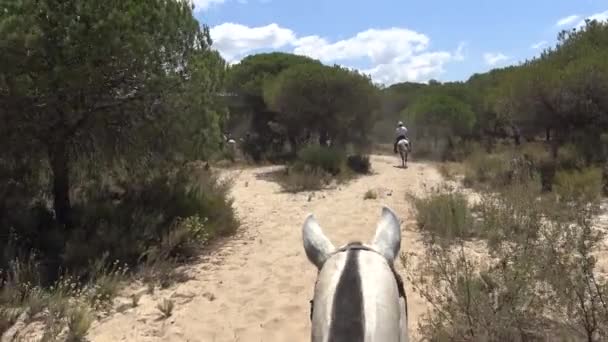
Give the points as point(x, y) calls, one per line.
point(539, 45)
point(567, 20)
point(235, 40)
point(380, 46)
point(201, 5)
point(602, 16)
point(393, 54)
point(459, 54)
point(421, 67)
point(494, 58)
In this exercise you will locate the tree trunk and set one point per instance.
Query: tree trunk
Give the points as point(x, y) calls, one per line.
point(59, 159)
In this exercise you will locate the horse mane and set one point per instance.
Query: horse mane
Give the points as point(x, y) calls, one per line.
point(348, 316)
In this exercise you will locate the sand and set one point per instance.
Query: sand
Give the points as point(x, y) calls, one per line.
point(257, 285)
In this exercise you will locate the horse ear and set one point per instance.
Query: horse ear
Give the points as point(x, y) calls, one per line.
point(387, 240)
point(316, 244)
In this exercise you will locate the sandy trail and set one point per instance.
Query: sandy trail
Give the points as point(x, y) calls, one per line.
point(258, 285)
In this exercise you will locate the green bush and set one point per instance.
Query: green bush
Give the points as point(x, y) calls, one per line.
point(359, 164)
point(580, 186)
point(305, 179)
point(165, 215)
point(317, 166)
point(569, 158)
point(462, 150)
point(481, 168)
point(445, 215)
point(329, 159)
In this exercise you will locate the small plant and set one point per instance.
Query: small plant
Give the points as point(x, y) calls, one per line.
point(8, 317)
point(36, 301)
point(370, 195)
point(150, 288)
point(79, 322)
point(166, 308)
point(135, 300)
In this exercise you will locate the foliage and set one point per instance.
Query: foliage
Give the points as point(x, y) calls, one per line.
point(166, 308)
point(446, 215)
point(334, 103)
point(103, 107)
point(535, 278)
point(581, 186)
point(252, 73)
point(359, 164)
point(370, 195)
point(556, 96)
point(250, 114)
point(304, 180)
point(314, 157)
point(318, 166)
point(100, 80)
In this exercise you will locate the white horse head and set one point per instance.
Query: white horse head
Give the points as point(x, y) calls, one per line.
point(359, 296)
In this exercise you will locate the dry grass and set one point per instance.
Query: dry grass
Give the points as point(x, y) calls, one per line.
point(166, 308)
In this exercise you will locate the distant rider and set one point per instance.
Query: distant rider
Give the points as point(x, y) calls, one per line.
point(400, 133)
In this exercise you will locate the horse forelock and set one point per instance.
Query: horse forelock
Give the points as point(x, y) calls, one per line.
point(348, 316)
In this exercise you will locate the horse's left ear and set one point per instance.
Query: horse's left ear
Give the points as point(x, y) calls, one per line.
point(387, 240)
point(316, 244)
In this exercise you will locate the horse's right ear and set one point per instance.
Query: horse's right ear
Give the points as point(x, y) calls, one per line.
point(388, 235)
point(316, 244)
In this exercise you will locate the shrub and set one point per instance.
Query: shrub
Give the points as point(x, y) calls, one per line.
point(500, 169)
point(370, 194)
point(130, 222)
point(79, 322)
point(154, 217)
point(569, 157)
point(481, 168)
point(462, 150)
point(445, 215)
point(316, 166)
point(536, 278)
point(580, 186)
point(166, 308)
point(317, 157)
point(305, 179)
point(359, 164)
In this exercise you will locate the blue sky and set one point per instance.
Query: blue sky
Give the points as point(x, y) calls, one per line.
point(393, 40)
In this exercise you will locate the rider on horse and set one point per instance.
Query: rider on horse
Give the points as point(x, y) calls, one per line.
point(400, 133)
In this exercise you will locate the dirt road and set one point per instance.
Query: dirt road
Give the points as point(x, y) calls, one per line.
point(258, 285)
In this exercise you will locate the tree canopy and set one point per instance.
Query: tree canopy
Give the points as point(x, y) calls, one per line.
point(101, 77)
point(333, 102)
